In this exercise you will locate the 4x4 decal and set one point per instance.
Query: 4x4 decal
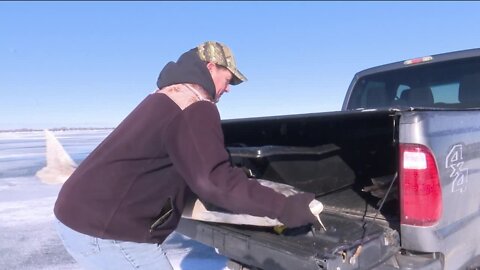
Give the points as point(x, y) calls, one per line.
point(459, 174)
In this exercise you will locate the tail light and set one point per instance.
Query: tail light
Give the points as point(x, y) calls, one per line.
point(420, 192)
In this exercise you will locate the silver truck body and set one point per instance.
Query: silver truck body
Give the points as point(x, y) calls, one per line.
point(454, 138)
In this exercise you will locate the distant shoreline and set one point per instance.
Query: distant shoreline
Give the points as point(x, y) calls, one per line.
point(52, 129)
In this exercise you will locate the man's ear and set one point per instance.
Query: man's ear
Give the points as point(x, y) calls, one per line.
point(210, 66)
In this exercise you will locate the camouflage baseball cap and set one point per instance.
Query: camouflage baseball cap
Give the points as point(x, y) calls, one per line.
point(220, 54)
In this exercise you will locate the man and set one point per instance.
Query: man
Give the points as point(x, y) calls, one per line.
point(127, 196)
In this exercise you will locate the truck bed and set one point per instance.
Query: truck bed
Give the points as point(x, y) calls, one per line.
point(337, 163)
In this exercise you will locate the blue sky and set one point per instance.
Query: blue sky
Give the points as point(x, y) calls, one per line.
point(88, 64)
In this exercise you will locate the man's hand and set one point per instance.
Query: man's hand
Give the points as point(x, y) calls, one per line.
point(297, 212)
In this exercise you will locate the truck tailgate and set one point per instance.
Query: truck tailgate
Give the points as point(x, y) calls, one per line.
point(300, 248)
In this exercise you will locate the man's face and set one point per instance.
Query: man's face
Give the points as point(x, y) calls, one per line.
point(221, 78)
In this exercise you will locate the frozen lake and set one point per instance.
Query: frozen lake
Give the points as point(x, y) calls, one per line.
point(27, 236)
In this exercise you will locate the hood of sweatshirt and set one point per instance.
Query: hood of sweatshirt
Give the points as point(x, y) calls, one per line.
point(189, 68)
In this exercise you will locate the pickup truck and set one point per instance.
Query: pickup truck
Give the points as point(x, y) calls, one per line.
point(397, 170)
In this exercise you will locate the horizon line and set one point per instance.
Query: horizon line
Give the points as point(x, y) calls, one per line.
point(54, 129)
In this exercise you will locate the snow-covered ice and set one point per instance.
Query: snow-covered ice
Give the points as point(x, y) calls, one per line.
point(27, 236)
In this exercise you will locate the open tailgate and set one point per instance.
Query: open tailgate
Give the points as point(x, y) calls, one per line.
point(300, 248)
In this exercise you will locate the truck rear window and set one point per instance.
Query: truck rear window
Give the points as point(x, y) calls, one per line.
point(450, 84)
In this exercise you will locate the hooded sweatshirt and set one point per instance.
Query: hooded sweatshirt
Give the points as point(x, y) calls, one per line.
point(134, 185)
point(188, 69)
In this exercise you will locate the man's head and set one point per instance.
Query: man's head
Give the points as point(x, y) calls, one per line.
point(221, 64)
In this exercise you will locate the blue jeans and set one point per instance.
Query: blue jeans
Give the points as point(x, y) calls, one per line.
point(96, 253)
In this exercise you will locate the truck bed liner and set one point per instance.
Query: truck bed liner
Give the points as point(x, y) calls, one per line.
point(353, 203)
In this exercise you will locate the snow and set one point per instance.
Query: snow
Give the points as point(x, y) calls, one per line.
point(28, 239)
